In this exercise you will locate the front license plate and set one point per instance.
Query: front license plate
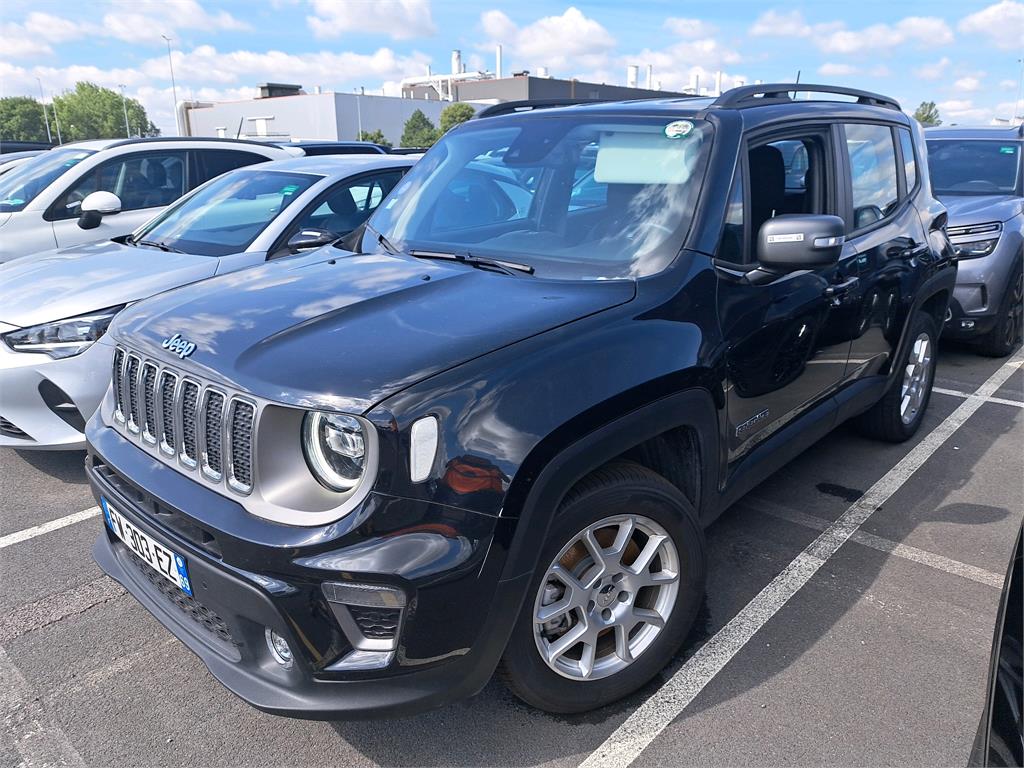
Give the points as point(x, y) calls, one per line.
point(168, 564)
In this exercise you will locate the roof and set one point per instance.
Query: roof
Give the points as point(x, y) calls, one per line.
point(336, 165)
point(1004, 132)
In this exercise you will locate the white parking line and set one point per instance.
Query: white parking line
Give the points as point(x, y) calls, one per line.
point(905, 551)
point(633, 736)
point(53, 525)
point(965, 395)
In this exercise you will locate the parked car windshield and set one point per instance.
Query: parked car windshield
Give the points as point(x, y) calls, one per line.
point(20, 186)
point(974, 166)
point(573, 196)
point(228, 214)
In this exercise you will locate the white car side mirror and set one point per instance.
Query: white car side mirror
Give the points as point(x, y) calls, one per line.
point(97, 205)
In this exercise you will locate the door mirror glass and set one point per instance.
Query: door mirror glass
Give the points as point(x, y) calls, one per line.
point(797, 241)
point(310, 237)
point(97, 205)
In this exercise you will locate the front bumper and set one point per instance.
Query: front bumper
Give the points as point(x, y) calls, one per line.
point(44, 403)
point(257, 575)
point(980, 285)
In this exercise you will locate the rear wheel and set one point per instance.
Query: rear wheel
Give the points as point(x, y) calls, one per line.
point(897, 416)
point(1004, 337)
point(617, 590)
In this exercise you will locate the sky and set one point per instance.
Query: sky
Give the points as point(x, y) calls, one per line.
point(966, 56)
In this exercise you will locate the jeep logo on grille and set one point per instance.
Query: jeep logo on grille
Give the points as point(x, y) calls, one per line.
point(179, 346)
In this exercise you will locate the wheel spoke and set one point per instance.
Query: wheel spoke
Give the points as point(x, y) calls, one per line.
point(587, 658)
point(559, 572)
point(649, 616)
point(622, 643)
point(548, 612)
point(657, 579)
point(556, 649)
point(597, 553)
point(622, 537)
point(646, 557)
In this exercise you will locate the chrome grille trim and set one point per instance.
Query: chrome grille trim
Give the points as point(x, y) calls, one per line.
point(210, 432)
point(147, 381)
point(200, 427)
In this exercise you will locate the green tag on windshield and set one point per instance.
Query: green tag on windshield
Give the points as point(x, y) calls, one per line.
point(290, 189)
point(1008, 150)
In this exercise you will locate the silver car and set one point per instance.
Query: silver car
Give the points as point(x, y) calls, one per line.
point(978, 175)
point(53, 307)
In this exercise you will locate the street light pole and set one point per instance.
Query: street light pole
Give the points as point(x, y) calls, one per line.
point(124, 104)
point(174, 88)
point(49, 136)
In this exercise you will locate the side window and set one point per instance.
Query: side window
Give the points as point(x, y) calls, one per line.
point(909, 161)
point(214, 162)
point(730, 248)
point(348, 205)
point(140, 180)
point(872, 173)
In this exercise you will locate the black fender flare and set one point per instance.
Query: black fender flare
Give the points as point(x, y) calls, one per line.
point(690, 408)
point(944, 280)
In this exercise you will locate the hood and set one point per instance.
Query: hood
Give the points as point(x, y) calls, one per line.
point(965, 210)
point(73, 281)
point(340, 331)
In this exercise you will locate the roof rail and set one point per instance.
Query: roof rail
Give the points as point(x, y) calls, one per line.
point(778, 93)
point(528, 105)
point(158, 139)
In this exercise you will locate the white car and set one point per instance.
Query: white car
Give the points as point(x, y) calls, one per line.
point(44, 205)
point(55, 306)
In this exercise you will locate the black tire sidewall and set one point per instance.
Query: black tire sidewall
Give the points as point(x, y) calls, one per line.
point(530, 677)
point(923, 323)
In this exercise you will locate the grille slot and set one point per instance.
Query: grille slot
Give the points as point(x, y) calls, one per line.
point(188, 422)
point(213, 425)
point(189, 412)
point(376, 623)
point(168, 384)
point(240, 437)
point(117, 377)
point(149, 372)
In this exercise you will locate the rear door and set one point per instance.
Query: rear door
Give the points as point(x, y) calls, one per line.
point(784, 350)
point(886, 240)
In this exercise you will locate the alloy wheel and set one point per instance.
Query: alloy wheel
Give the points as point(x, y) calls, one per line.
point(916, 377)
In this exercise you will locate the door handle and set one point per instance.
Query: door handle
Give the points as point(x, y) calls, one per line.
point(835, 291)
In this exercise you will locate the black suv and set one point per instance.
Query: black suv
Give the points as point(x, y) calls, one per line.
point(490, 433)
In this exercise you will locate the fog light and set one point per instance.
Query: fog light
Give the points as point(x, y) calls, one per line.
point(967, 325)
point(279, 648)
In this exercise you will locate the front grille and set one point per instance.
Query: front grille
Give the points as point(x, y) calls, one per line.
point(378, 623)
point(197, 425)
point(189, 414)
point(213, 624)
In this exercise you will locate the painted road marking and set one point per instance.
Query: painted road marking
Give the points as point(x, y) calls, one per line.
point(905, 551)
point(965, 395)
point(638, 730)
point(53, 525)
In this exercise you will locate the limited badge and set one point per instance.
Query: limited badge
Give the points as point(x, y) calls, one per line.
point(678, 129)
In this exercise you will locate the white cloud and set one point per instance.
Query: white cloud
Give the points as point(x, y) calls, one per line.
point(834, 37)
point(690, 28)
point(148, 21)
point(399, 19)
point(830, 69)
point(32, 37)
point(1002, 23)
point(934, 70)
point(1007, 85)
point(967, 84)
point(963, 111)
point(571, 40)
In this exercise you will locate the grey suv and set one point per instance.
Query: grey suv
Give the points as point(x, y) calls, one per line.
point(977, 173)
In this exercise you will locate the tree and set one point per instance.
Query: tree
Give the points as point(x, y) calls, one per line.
point(418, 131)
point(21, 119)
point(377, 137)
point(93, 112)
point(927, 114)
point(455, 114)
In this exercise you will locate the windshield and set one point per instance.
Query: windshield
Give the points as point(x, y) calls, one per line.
point(974, 166)
point(228, 214)
point(20, 186)
point(574, 197)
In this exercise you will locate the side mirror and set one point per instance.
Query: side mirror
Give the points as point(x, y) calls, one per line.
point(800, 241)
point(312, 237)
point(95, 206)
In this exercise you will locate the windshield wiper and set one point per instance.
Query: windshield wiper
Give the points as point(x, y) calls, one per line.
point(506, 267)
point(383, 241)
point(156, 244)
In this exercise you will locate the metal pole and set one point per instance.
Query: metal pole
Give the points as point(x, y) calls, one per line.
point(56, 119)
point(124, 103)
point(174, 88)
point(42, 103)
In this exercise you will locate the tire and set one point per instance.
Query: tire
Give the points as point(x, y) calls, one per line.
point(897, 416)
point(1004, 337)
point(616, 492)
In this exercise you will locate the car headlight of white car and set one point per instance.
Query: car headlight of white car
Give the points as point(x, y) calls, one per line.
point(62, 338)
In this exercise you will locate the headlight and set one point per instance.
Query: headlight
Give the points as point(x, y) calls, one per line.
point(62, 338)
point(975, 249)
point(335, 449)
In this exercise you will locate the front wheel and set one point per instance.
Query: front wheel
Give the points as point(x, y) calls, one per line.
point(617, 590)
point(1006, 334)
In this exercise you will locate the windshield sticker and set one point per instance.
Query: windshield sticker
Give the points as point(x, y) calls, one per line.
point(290, 189)
point(12, 201)
point(678, 129)
point(1008, 150)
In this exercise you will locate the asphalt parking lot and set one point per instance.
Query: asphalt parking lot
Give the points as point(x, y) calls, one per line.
point(849, 618)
